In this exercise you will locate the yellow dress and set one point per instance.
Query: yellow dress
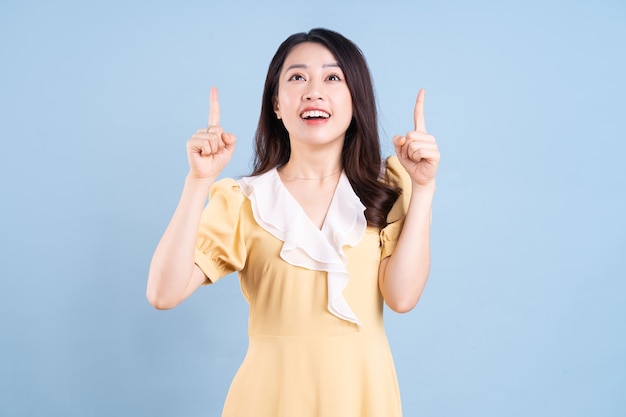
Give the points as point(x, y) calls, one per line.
point(317, 343)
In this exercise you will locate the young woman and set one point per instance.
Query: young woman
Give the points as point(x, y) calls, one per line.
point(322, 233)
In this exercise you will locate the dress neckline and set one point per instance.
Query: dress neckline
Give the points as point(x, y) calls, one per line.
point(277, 211)
point(297, 203)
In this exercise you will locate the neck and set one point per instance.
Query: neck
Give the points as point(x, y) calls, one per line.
point(316, 163)
point(313, 166)
point(291, 177)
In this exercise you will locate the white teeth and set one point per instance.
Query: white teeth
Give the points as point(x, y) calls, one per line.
point(314, 113)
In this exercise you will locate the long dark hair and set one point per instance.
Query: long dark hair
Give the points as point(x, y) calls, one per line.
point(361, 157)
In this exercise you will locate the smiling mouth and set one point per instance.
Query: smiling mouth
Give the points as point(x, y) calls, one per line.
point(315, 115)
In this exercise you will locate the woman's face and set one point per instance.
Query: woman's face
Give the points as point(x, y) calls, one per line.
point(313, 98)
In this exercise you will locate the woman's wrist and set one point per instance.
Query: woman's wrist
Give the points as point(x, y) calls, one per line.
point(424, 189)
point(199, 182)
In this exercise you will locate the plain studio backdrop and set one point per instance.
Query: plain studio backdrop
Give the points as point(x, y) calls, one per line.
point(525, 311)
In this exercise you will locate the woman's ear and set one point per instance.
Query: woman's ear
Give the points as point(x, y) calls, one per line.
point(276, 108)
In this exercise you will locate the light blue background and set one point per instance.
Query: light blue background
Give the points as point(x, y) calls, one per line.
point(525, 310)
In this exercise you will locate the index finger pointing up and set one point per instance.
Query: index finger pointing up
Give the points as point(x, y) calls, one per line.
point(418, 115)
point(214, 108)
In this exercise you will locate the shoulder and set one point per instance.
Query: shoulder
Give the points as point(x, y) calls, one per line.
point(225, 185)
point(226, 190)
point(393, 173)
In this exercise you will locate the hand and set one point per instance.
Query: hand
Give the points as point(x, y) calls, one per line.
point(209, 150)
point(417, 151)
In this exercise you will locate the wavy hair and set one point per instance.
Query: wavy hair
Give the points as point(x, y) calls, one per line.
point(361, 155)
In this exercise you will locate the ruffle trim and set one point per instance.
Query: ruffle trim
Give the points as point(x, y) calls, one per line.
point(304, 245)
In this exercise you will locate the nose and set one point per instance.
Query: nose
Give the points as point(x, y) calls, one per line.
point(313, 91)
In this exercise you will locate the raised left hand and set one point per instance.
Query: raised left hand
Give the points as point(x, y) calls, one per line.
point(417, 151)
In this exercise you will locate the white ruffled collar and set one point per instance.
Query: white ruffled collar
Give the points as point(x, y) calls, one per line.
point(305, 245)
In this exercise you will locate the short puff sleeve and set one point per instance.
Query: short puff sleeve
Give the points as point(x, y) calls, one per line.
point(220, 246)
point(395, 174)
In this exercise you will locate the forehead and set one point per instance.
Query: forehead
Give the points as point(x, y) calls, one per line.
point(309, 54)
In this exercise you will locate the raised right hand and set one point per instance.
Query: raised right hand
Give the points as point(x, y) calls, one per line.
point(209, 150)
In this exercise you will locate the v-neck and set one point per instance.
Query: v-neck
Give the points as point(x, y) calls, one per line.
point(305, 245)
point(302, 210)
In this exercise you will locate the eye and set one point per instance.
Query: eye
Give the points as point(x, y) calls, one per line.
point(333, 77)
point(296, 77)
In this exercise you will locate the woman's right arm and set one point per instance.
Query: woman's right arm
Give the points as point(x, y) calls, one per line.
point(173, 274)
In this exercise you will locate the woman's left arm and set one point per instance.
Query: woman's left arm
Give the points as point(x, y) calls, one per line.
point(403, 275)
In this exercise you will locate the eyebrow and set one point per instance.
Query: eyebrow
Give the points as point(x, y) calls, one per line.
point(303, 66)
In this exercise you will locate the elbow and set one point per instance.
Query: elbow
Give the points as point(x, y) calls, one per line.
point(160, 304)
point(402, 306)
point(160, 295)
point(159, 300)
